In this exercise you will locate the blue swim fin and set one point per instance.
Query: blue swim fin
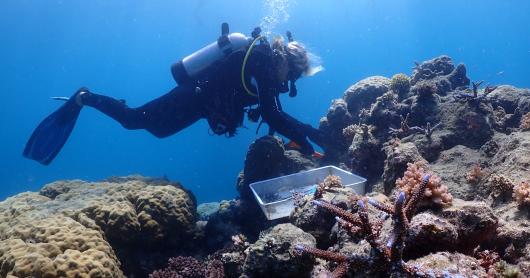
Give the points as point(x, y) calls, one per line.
point(51, 134)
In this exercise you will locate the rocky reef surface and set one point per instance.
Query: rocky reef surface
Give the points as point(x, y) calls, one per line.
point(447, 162)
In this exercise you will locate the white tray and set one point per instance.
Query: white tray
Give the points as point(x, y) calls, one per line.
point(275, 195)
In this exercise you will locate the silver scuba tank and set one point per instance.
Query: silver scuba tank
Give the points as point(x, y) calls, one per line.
point(192, 65)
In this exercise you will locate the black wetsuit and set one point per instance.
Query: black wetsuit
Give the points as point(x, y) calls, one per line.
point(218, 96)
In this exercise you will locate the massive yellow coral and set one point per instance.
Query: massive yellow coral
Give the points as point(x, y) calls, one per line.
point(400, 83)
point(68, 230)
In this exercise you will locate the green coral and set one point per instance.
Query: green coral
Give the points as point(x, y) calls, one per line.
point(400, 83)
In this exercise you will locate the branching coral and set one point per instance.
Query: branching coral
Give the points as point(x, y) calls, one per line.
point(386, 255)
point(404, 128)
point(329, 183)
point(435, 192)
point(521, 193)
point(427, 130)
point(475, 175)
point(473, 93)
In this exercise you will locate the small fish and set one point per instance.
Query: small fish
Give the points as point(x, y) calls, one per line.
point(500, 73)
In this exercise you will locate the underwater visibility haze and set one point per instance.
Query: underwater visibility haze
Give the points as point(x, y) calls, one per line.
point(427, 100)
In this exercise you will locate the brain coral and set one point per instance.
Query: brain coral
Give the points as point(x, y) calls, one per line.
point(76, 228)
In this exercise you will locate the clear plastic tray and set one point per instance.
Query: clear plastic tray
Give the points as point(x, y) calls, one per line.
point(275, 195)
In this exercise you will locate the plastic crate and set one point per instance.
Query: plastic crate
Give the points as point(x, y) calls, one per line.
point(275, 196)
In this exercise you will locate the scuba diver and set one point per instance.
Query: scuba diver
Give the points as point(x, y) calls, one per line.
point(219, 83)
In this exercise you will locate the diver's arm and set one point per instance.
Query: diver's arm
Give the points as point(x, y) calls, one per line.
point(271, 110)
point(282, 122)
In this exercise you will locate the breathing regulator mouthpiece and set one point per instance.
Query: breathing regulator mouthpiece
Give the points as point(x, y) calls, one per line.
point(289, 36)
point(292, 89)
point(292, 86)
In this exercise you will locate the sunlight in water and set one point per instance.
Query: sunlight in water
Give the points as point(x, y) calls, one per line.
point(276, 12)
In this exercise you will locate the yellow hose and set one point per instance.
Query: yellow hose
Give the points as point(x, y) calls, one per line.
point(244, 65)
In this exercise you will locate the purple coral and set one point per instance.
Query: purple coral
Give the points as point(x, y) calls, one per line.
point(387, 254)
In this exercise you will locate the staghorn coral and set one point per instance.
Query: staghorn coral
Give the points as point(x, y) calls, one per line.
point(404, 128)
point(435, 193)
point(525, 122)
point(521, 193)
point(427, 130)
point(400, 83)
point(475, 93)
point(386, 255)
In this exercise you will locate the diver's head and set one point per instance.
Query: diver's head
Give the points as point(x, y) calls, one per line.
point(292, 60)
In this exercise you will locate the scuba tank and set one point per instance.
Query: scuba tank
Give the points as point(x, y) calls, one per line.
point(192, 66)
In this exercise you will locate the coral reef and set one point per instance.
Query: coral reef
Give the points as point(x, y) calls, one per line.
point(475, 175)
point(386, 256)
point(329, 183)
point(400, 84)
point(271, 255)
point(337, 120)
point(103, 229)
point(435, 192)
point(525, 122)
point(362, 94)
point(521, 193)
point(448, 195)
point(398, 156)
point(189, 267)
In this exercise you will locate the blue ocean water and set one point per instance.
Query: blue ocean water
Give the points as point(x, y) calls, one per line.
point(124, 49)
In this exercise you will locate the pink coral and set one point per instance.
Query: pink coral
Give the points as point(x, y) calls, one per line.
point(386, 254)
point(329, 183)
point(435, 192)
point(521, 193)
point(525, 122)
point(475, 175)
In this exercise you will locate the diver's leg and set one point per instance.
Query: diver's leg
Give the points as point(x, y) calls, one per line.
point(163, 116)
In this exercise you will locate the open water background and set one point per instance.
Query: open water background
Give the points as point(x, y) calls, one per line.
point(124, 49)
